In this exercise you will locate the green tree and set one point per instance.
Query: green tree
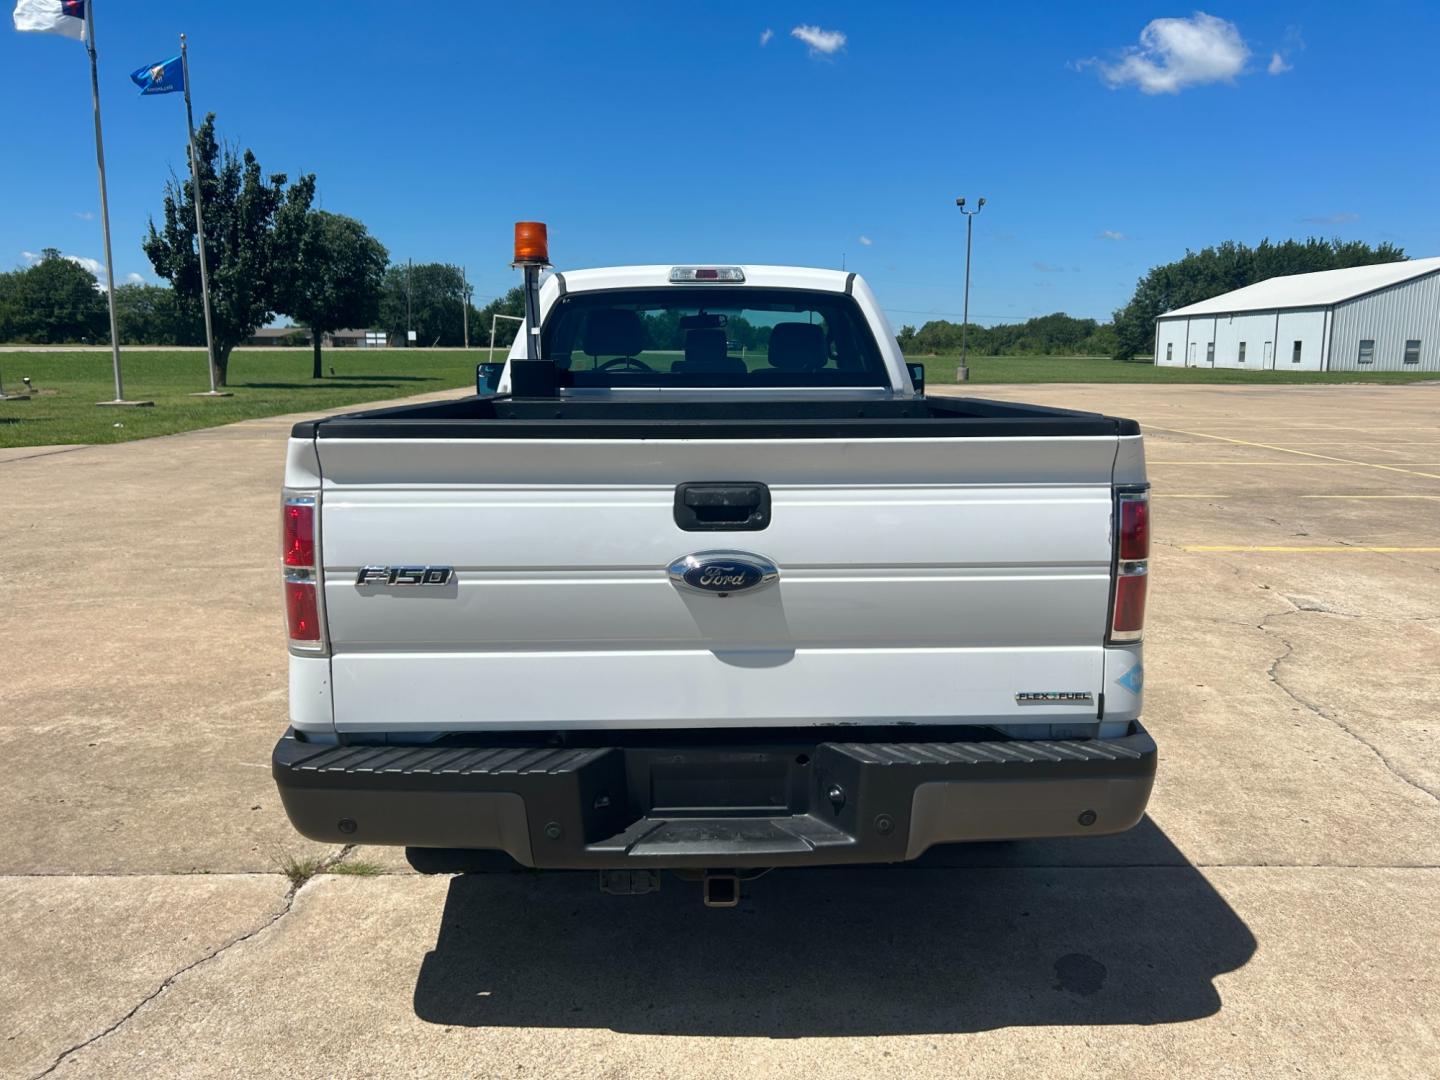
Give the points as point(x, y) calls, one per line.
point(334, 278)
point(1045, 335)
point(1230, 265)
point(54, 302)
point(662, 330)
point(938, 336)
point(435, 292)
point(151, 315)
point(8, 308)
point(1101, 343)
point(253, 226)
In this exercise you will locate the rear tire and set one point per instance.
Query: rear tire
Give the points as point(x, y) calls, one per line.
point(460, 861)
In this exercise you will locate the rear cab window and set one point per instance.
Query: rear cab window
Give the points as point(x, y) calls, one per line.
point(711, 336)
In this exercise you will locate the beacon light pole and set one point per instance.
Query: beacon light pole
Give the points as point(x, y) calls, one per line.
point(533, 376)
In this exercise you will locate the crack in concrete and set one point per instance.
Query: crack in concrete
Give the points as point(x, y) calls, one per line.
point(287, 904)
point(1305, 603)
point(48, 453)
point(1309, 604)
point(1273, 673)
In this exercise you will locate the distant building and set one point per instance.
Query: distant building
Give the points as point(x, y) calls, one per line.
point(279, 335)
point(1384, 317)
point(358, 339)
point(338, 339)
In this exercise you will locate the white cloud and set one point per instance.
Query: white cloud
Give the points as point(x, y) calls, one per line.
point(1174, 54)
point(1280, 58)
point(821, 42)
point(866, 241)
point(95, 266)
point(135, 279)
point(766, 36)
point(85, 215)
point(1112, 234)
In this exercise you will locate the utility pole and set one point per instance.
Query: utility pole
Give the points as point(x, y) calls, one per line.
point(409, 280)
point(465, 306)
point(964, 371)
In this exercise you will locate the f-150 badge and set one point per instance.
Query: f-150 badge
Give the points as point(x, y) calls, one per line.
point(404, 575)
point(723, 572)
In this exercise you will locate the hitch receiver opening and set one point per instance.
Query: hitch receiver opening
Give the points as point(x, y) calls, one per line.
point(721, 888)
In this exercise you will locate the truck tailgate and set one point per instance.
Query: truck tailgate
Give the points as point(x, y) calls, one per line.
point(925, 580)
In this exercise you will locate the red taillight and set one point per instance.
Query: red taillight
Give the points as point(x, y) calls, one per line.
point(301, 611)
point(1132, 566)
point(1129, 605)
point(1134, 527)
point(298, 536)
point(707, 274)
point(299, 565)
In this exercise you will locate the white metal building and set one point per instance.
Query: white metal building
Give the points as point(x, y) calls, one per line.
point(1384, 317)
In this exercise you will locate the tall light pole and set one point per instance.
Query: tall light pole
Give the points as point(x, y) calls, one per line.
point(964, 372)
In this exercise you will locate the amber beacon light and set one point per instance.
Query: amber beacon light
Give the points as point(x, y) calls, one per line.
point(532, 244)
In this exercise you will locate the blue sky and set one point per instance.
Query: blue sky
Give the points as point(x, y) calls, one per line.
point(1105, 141)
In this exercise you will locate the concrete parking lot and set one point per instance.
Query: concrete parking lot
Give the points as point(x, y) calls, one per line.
point(1276, 914)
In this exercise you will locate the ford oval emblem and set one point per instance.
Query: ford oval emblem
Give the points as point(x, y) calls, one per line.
point(723, 572)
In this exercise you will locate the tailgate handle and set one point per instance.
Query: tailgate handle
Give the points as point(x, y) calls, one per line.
point(722, 507)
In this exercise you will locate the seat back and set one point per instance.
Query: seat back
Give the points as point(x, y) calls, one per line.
point(705, 353)
point(798, 347)
point(613, 332)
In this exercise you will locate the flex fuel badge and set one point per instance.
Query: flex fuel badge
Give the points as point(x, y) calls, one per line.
point(1133, 679)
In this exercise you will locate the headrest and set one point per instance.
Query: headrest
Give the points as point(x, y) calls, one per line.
point(705, 347)
point(797, 346)
point(613, 332)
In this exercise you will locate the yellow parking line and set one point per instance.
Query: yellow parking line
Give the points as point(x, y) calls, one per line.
point(1287, 450)
point(1326, 549)
point(1299, 464)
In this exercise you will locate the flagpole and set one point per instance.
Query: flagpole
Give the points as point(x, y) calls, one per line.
point(105, 210)
point(199, 222)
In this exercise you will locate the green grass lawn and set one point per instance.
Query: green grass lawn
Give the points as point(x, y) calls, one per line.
point(265, 382)
point(1098, 369)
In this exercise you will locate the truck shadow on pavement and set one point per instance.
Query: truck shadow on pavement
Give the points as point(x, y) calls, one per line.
point(1119, 930)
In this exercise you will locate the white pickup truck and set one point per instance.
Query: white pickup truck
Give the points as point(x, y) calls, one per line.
point(709, 586)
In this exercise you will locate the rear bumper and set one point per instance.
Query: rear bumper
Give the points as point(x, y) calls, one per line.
point(706, 806)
